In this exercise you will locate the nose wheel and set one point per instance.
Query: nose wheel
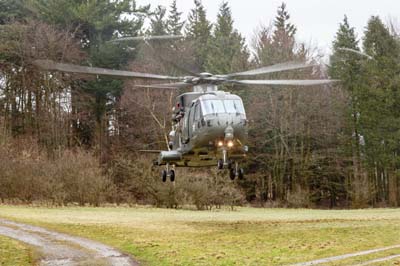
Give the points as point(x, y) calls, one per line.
point(240, 174)
point(168, 173)
point(234, 170)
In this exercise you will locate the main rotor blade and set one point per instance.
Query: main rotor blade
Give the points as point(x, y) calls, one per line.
point(270, 69)
point(51, 65)
point(175, 85)
point(149, 38)
point(355, 52)
point(284, 82)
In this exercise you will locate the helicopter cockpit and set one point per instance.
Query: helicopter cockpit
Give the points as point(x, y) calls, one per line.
point(225, 106)
point(208, 117)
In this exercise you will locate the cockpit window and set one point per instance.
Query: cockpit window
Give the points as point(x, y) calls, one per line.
point(222, 106)
point(213, 107)
point(234, 106)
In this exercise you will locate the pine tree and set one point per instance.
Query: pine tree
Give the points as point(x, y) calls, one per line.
point(380, 43)
point(277, 44)
point(12, 10)
point(346, 66)
point(158, 24)
point(174, 22)
point(380, 109)
point(284, 34)
point(198, 31)
point(227, 50)
point(282, 25)
point(96, 22)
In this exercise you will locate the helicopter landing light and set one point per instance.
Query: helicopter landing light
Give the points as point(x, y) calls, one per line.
point(230, 144)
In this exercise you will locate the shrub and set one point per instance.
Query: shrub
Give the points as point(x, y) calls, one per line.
point(72, 176)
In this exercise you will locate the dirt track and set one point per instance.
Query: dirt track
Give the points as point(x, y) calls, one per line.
point(58, 249)
point(350, 255)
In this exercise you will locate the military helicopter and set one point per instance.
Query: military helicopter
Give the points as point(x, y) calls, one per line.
point(209, 125)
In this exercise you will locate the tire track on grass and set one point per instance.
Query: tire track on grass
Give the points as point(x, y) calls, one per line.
point(64, 250)
point(378, 260)
point(345, 256)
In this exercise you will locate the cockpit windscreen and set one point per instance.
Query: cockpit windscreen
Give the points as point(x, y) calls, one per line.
point(222, 106)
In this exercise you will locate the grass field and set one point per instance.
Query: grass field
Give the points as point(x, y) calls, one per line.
point(246, 236)
point(13, 253)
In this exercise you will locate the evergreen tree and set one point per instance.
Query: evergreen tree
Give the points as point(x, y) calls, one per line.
point(284, 35)
point(198, 31)
point(277, 44)
point(174, 21)
point(380, 110)
point(346, 66)
point(11, 10)
point(158, 24)
point(227, 50)
point(97, 22)
point(282, 26)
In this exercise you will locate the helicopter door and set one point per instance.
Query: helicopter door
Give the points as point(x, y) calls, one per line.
point(187, 125)
point(197, 116)
point(192, 124)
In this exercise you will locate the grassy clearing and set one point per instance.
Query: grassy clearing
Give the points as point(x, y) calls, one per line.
point(13, 253)
point(246, 236)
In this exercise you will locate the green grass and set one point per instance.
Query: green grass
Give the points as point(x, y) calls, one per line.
point(13, 253)
point(246, 236)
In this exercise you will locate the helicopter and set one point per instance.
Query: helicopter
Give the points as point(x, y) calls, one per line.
point(209, 126)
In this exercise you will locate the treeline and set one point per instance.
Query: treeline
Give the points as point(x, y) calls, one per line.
point(74, 139)
point(370, 139)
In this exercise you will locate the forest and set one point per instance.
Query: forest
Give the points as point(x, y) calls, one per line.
point(72, 139)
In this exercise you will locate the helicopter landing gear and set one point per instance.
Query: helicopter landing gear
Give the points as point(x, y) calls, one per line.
point(164, 175)
point(232, 166)
point(220, 164)
point(235, 171)
point(232, 174)
point(172, 175)
point(241, 173)
point(224, 162)
point(168, 173)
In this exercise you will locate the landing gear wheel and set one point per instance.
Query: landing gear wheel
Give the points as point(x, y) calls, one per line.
point(220, 164)
point(241, 174)
point(232, 174)
point(164, 175)
point(172, 175)
point(230, 163)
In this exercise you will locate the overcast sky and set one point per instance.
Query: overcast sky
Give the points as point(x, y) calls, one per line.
point(317, 20)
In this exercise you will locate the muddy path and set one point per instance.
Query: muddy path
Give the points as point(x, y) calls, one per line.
point(64, 250)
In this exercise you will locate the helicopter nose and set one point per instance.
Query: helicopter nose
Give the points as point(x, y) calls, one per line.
point(229, 133)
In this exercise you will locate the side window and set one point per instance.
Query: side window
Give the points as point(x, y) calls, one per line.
point(191, 115)
point(197, 112)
